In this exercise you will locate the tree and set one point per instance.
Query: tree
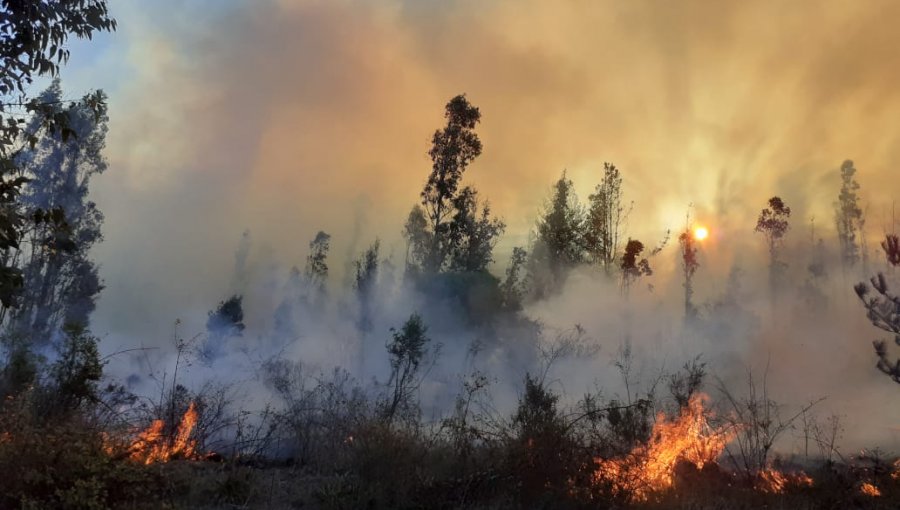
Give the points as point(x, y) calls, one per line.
point(316, 261)
point(407, 352)
point(689, 265)
point(364, 283)
point(773, 224)
point(848, 216)
point(883, 308)
point(559, 244)
point(512, 287)
point(453, 148)
point(418, 239)
point(451, 230)
point(471, 234)
point(76, 371)
point(61, 282)
point(632, 266)
point(605, 219)
point(33, 43)
point(226, 321)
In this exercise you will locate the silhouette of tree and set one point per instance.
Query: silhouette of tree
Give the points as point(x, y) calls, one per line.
point(316, 261)
point(632, 266)
point(605, 219)
point(407, 353)
point(689, 265)
point(883, 308)
point(471, 234)
point(773, 224)
point(449, 232)
point(33, 44)
point(364, 283)
point(226, 321)
point(513, 285)
point(418, 239)
point(61, 283)
point(848, 216)
point(559, 245)
point(453, 148)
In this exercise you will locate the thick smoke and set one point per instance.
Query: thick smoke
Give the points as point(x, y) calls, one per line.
point(286, 118)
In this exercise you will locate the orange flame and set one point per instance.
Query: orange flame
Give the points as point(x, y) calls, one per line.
point(152, 445)
point(650, 468)
point(774, 481)
point(870, 490)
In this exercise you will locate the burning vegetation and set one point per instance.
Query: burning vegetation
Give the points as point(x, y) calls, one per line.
point(649, 468)
point(408, 437)
point(153, 445)
point(685, 442)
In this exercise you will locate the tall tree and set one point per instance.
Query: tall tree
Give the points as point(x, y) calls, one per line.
point(773, 223)
point(452, 230)
point(559, 244)
point(849, 216)
point(604, 226)
point(61, 282)
point(364, 283)
point(316, 270)
point(33, 43)
point(453, 148)
point(689, 265)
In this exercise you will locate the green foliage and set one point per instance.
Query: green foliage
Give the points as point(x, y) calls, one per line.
point(453, 148)
point(406, 352)
point(35, 34)
point(61, 463)
point(544, 456)
point(472, 235)
point(513, 287)
point(77, 370)
point(451, 230)
point(560, 244)
point(605, 219)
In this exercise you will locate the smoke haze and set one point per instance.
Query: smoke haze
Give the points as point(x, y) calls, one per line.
point(290, 117)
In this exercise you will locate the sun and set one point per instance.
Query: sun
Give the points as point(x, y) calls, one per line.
point(701, 233)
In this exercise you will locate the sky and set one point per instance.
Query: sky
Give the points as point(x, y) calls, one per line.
point(286, 117)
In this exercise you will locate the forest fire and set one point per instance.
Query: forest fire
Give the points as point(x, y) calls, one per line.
point(650, 468)
point(869, 490)
point(153, 445)
point(687, 439)
point(775, 482)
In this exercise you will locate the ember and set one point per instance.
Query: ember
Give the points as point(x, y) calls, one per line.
point(870, 490)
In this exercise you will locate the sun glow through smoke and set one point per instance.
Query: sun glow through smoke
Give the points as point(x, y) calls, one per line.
point(701, 233)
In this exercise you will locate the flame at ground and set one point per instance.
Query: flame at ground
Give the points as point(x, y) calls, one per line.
point(869, 490)
point(152, 445)
point(774, 481)
point(651, 467)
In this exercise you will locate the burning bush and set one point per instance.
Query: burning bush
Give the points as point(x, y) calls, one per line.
point(651, 467)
